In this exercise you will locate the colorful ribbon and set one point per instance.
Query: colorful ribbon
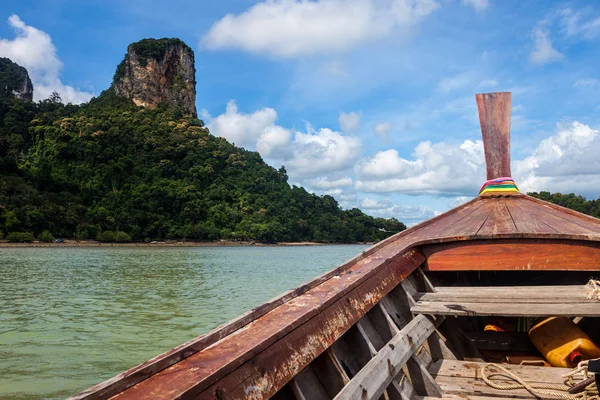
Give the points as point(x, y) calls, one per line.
point(506, 184)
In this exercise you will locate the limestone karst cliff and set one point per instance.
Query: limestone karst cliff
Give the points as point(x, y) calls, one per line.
point(14, 81)
point(157, 71)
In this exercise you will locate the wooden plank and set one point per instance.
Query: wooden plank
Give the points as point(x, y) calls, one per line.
point(525, 220)
point(422, 381)
point(280, 362)
point(499, 221)
point(494, 117)
point(439, 348)
point(586, 220)
point(369, 336)
point(562, 222)
point(331, 375)
point(352, 352)
point(296, 390)
point(196, 372)
point(373, 379)
point(503, 294)
point(470, 224)
point(513, 254)
point(512, 309)
point(461, 377)
point(310, 385)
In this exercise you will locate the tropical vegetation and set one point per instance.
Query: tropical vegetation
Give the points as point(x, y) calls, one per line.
point(115, 172)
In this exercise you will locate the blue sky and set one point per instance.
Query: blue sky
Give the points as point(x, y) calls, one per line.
point(371, 101)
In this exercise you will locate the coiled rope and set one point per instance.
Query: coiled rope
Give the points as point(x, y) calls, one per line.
point(540, 389)
point(593, 287)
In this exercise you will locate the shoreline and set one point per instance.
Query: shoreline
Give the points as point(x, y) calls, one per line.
point(221, 243)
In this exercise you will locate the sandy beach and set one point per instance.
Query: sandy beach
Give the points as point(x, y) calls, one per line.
point(168, 243)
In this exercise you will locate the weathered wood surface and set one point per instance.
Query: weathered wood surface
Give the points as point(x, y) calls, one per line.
point(480, 219)
point(513, 254)
point(374, 378)
point(463, 377)
point(275, 347)
point(494, 117)
point(512, 309)
point(558, 294)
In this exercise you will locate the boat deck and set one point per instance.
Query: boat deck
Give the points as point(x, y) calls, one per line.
point(406, 353)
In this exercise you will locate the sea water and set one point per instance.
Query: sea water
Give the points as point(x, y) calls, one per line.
point(73, 317)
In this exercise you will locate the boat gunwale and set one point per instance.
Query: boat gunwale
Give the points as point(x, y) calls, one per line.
point(140, 372)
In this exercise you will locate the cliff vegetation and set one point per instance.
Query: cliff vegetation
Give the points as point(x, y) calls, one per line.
point(113, 171)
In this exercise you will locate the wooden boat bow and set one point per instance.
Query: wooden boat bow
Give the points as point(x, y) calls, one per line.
point(350, 333)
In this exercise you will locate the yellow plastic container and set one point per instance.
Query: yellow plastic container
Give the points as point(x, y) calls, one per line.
point(562, 342)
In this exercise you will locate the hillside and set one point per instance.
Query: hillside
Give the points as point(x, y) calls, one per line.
point(152, 173)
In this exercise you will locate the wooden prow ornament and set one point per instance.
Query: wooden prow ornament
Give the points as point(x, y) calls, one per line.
point(494, 117)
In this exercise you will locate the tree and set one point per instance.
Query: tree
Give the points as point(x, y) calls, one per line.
point(46, 237)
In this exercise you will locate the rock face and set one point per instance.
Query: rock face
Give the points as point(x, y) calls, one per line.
point(14, 81)
point(157, 71)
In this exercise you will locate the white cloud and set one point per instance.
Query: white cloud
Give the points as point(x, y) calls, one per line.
point(349, 122)
point(488, 83)
point(274, 141)
point(382, 129)
point(306, 154)
point(34, 50)
point(387, 209)
point(543, 52)
point(319, 151)
point(248, 130)
point(572, 25)
point(585, 83)
point(291, 28)
point(325, 183)
point(450, 84)
point(479, 5)
point(438, 168)
point(565, 162)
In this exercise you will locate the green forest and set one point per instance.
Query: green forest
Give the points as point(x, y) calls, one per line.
point(112, 171)
point(572, 201)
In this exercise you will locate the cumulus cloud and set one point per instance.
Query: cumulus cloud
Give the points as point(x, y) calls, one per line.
point(291, 28)
point(438, 168)
point(305, 154)
point(565, 162)
point(543, 52)
point(349, 122)
point(34, 50)
point(386, 208)
point(479, 5)
point(326, 183)
point(322, 150)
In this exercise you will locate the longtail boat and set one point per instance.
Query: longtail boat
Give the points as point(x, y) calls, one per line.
point(404, 319)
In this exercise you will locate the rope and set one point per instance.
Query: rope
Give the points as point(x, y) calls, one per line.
point(542, 389)
point(593, 287)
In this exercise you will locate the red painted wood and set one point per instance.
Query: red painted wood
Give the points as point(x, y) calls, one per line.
point(194, 374)
point(499, 220)
point(494, 117)
point(520, 254)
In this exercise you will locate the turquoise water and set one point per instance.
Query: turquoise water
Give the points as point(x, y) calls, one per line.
point(72, 317)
